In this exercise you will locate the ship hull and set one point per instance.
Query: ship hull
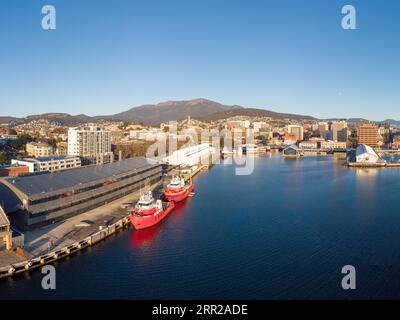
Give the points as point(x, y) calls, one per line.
point(178, 197)
point(142, 222)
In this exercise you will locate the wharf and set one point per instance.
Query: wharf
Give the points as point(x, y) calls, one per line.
point(54, 242)
point(372, 165)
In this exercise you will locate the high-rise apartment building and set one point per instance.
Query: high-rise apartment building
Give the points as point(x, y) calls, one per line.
point(92, 143)
point(297, 131)
point(339, 131)
point(368, 134)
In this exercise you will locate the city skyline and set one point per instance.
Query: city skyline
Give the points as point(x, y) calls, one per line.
point(282, 56)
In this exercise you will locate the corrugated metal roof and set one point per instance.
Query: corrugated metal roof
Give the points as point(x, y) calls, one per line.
point(43, 182)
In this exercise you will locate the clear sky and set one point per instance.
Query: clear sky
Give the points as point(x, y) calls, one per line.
point(283, 55)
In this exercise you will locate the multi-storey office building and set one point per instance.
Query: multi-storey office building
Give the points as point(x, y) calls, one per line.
point(46, 197)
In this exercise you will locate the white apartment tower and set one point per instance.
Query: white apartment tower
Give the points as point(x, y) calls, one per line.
point(297, 130)
point(91, 143)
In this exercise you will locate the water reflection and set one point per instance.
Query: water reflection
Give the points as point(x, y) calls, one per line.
point(366, 172)
point(145, 237)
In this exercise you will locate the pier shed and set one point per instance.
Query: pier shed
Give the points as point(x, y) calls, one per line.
point(5, 231)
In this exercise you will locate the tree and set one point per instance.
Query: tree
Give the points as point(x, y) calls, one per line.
point(52, 142)
point(25, 137)
point(3, 157)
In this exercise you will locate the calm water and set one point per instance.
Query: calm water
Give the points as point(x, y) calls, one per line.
point(283, 232)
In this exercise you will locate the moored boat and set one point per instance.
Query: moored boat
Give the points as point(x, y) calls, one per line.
point(149, 211)
point(177, 190)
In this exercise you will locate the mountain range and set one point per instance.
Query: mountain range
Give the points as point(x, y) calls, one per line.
point(154, 114)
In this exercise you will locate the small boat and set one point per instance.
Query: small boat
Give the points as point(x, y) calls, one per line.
point(149, 211)
point(177, 190)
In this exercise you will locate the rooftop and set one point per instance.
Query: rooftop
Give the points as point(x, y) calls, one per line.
point(49, 158)
point(3, 218)
point(44, 182)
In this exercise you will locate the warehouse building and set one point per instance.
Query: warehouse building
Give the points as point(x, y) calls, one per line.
point(191, 156)
point(48, 197)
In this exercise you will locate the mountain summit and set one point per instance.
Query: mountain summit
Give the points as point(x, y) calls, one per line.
point(172, 110)
point(154, 114)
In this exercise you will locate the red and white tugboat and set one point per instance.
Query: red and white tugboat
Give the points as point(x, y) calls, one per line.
point(177, 190)
point(149, 211)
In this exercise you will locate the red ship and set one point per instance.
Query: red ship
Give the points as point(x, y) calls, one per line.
point(177, 190)
point(149, 212)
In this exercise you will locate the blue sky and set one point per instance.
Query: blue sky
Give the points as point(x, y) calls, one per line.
point(282, 55)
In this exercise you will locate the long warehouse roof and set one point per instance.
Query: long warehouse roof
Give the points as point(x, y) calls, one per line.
point(43, 182)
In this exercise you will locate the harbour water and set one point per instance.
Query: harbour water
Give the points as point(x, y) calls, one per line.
point(283, 232)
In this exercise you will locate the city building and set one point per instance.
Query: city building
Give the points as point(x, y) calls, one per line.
point(39, 149)
point(62, 149)
point(368, 134)
point(245, 124)
point(329, 144)
point(5, 231)
point(47, 197)
point(4, 138)
point(257, 126)
point(92, 143)
point(289, 139)
point(396, 142)
point(297, 130)
point(339, 131)
point(148, 135)
point(13, 171)
point(308, 145)
point(54, 163)
point(383, 130)
point(323, 126)
point(365, 154)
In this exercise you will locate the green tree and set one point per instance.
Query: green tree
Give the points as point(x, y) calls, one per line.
point(25, 137)
point(3, 157)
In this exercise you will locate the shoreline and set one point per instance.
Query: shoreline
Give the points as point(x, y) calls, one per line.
point(70, 238)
